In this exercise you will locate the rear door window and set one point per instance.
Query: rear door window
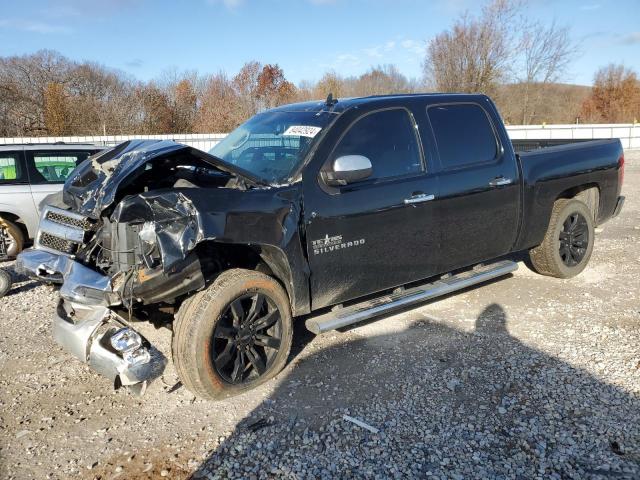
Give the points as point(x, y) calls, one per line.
point(11, 168)
point(388, 139)
point(56, 166)
point(464, 135)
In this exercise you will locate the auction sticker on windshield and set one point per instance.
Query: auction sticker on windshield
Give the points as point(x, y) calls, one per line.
point(302, 131)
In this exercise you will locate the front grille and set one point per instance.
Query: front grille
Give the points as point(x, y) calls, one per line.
point(56, 243)
point(62, 219)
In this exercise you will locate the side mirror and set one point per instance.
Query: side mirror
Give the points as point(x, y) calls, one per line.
point(348, 169)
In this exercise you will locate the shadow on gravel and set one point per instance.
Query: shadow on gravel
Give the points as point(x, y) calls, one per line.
point(446, 402)
point(18, 278)
point(455, 404)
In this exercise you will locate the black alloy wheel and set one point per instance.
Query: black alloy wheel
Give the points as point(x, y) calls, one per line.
point(574, 239)
point(247, 338)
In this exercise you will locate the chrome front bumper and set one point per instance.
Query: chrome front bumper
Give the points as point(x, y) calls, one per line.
point(81, 284)
point(86, 332)
point(83, 323)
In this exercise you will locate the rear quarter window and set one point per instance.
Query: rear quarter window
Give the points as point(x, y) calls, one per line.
point(464, 135)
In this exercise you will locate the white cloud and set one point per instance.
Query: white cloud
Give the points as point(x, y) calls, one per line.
point(348, 58)
point(33, 26)
point(398, 51)
point(230, 4)
point(415, 47)
point(631, 38)
point(134, 63)
point(373, 52)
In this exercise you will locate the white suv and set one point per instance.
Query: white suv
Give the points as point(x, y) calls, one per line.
point(28, 173)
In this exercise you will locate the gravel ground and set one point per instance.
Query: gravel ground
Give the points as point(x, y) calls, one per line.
point(521, 378)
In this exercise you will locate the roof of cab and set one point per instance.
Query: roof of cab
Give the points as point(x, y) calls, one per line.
point(342, 104)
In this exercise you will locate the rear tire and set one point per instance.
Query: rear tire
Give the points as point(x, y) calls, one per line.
point(233, 336)
point(568, 243)
point(15, 238)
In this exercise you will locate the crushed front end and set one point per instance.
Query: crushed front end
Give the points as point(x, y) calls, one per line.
point(118, 249)
point(138, 229)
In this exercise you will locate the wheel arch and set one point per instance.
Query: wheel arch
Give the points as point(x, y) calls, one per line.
point(588, 193)
point(14, 218)
point(216, 257)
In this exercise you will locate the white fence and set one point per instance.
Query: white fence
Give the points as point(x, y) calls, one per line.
point(201, 141)
point(629, 134)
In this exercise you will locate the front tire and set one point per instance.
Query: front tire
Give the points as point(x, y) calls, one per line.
point(568, 243)
point(233, 336)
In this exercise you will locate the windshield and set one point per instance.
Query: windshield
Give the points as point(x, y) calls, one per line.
point(271, 145)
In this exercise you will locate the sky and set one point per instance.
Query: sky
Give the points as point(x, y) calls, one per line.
point(305, 37)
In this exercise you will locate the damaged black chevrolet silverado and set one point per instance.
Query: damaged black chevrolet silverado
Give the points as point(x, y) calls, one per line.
point(335, 211)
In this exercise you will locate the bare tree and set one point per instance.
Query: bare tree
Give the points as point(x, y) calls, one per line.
point(545, 52)
point(475, 54)
point(156, 113)
point(330, 82)
point(56, 116)
point(480, 54)
point(382, 80)
point(218, 112)
point(246, 84)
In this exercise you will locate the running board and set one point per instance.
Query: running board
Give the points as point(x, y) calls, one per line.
point(386, 304)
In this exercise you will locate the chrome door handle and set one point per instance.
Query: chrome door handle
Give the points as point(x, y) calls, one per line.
point(499, 181)
point(422, 197)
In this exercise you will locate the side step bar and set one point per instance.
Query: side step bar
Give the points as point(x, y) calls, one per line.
point(384, 305)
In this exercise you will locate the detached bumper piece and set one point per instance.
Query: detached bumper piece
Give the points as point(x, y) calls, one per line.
point(101, 338)
point(81, 284)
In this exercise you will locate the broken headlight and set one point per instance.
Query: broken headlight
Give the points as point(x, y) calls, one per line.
point(126, 340)
point(137, 357)
point(147, 236)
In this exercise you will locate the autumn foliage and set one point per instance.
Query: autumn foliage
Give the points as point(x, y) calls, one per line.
point(615, 97)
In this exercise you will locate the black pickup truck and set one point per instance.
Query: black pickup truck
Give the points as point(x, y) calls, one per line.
point(334, 212)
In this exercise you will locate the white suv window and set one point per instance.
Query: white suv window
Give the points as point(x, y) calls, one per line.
point(10, 168)
point(56, 167)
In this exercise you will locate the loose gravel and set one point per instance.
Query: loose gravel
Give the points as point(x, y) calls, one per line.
point(527, 377)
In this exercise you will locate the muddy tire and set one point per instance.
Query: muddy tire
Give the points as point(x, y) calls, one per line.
point(14, 238)
point(568, 243)
point(233, 336)
point(5, 283)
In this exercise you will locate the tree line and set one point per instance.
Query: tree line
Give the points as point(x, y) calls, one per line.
point(46, 93)
point(519, 63)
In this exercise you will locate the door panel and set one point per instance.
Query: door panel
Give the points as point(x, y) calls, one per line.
point(369, 239)
point(479, 221)
point(378, 233)
point(479, 182)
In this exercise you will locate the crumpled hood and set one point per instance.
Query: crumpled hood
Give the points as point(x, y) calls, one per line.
point(93, 186)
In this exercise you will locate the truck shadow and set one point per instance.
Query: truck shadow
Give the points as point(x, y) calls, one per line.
point(476, 403)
